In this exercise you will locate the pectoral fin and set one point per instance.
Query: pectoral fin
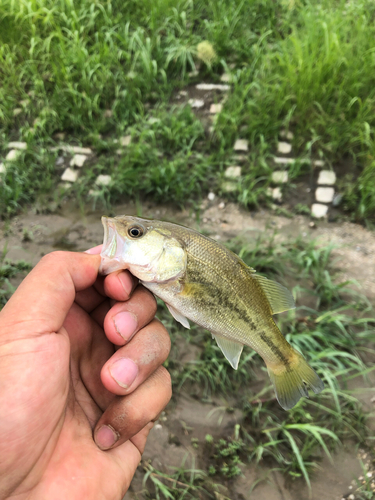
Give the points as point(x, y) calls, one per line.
point(178, 316)
point(279, 297)
point(231, 350)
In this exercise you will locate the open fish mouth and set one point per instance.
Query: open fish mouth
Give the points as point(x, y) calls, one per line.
point(111, 251)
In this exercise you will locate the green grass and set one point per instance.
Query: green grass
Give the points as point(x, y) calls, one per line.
point(9, 270)
point(307, 66)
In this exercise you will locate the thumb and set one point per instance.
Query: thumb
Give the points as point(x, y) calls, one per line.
point(42, 301)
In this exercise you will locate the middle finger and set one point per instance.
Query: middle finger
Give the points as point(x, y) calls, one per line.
point(136, 361)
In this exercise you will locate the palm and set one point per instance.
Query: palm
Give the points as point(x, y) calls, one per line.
point(62, 395)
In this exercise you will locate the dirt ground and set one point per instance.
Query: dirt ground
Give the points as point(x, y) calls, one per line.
point(31, 235)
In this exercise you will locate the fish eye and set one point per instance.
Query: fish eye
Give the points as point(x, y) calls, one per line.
point(135, 231)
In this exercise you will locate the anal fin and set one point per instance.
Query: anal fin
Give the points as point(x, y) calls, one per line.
point(178, 317)
point(231, 350)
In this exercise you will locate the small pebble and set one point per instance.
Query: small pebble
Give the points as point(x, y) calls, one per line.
point(326, 177)
point(369, 474)
point(318, 163)
point(212, 86)
point(211, 196)
point(103, 180)
point(216, 108)
point(324, 195)
point(284, 148)
point(233, 172)
point(2, 168)
point(78, 160)
point(222, 205)
point(69, 175)
point(229, 186)
point(17, 145)
point(126, 140)
point(12, 155)
point(25, 102)
point(183, 93)
point(337, 199)
point(351, 497)
point(17, 111)
point(318, 210)
point(226, 78)
point(241, 145)
point(59, 161)
point(279, 176)
point(108, 113)
point(196, 103)
point(308, 190)
point(204, 220)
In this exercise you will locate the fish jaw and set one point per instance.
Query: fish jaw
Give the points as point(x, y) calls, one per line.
point(112, 251)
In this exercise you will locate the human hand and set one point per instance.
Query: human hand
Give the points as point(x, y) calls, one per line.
point(58, 368)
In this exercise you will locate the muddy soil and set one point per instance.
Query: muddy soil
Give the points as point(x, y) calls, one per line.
point(30, 236)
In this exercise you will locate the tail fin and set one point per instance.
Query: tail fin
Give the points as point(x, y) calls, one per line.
point(291, 382)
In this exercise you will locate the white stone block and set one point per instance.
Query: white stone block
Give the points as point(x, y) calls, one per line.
point(327, 177)
point(279, 176)
point(284, 147)
point(284, 161)
point(233, 172)
point(318, 210)
point(241, 145)
point(12, 155)
point(79, 150)
point(216, 108)
point(196, 103)
point(78, 160)
point(103, 180)
point(324, 194)
point(211, 196)
point(17, 145)
point(212, 86)
point(69, 175)
point(277, 194)
point(127, 139)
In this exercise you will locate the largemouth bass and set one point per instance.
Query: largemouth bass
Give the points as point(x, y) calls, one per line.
point(202, 281)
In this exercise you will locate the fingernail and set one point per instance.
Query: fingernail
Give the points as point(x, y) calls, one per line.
point(124, 372)
point(127, 282)
point(94, 250)
point(106, 437)
point(125, 324)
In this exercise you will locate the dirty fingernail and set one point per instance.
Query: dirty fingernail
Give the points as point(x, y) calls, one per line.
point(106, 437)
point(124, 372)
point(125, 324)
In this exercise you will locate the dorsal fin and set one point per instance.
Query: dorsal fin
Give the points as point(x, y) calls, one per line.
point(278, 296)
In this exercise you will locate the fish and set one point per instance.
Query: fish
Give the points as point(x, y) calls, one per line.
point(202, 281)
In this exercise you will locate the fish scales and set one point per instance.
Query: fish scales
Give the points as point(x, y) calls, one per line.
point(203, 281)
